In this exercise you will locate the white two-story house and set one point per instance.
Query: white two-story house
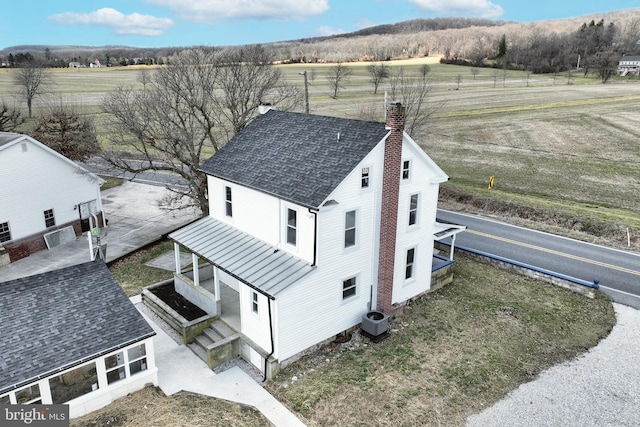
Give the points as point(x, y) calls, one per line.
point(313, 222)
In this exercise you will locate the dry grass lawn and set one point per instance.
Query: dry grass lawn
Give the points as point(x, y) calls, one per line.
point(151, 408)
point(452, 353)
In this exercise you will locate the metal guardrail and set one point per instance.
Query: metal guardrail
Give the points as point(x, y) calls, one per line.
point(593, 285)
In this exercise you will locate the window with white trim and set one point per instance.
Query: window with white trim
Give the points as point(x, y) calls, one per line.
point(227, 202)
point(365, 178)
point(413, 209)
point(292, 226)
point(29, 395)
point(406, 166)
point(114, 365)
point(349, 288)
point(49, 219)
point(137, 359)
point(75, 383)
point(350, 229)
point(254, 302)
point(5, 232)
point(409, 270)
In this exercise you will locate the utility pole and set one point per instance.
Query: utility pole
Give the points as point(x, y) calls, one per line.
point(306, 91)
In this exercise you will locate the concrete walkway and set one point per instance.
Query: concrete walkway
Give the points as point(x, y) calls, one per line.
point(179, 369)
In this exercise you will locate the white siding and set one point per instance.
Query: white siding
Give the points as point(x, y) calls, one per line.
point(314, 310)
point(255, 325)
point(420, 235)
point(36, 180)
point(263, 216)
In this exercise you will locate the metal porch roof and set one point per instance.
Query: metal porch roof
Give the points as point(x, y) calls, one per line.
point(252, 261)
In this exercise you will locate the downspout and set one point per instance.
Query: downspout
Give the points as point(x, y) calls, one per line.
point(315, 236)
point(273, 349)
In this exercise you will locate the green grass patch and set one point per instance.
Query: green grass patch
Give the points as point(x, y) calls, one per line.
point(132, 273)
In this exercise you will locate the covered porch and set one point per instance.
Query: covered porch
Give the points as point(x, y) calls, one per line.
point(226, 258)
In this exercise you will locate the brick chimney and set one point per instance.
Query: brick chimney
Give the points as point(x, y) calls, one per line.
point(389, 210)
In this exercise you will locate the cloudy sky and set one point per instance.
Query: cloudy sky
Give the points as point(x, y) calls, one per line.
point(162, 23)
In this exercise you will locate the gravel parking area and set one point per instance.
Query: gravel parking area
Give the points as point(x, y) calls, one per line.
point(600, 388)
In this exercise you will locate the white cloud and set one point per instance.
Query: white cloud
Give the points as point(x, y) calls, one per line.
point(466, 8)
point(326, 30)
point(117, 22)
point(208, 11)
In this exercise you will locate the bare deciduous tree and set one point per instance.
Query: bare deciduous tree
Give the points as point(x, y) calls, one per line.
point(33, 79)
point(336, 76)
point(412, 92)
point(190, 110)
point(458, 81)
point(10, 118)
point(65, 131)
point(378, 73)
point(144, 77)
point(474, 72)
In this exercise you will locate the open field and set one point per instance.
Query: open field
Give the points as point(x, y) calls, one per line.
point(571, 152)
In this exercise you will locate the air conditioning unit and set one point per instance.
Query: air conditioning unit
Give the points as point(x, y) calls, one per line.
point(375, 324)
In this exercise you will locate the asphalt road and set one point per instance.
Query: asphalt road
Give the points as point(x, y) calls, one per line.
point(618, 271)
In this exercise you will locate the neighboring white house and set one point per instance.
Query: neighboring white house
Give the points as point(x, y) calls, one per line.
point(72, 336)
point(43, 193)
point(629, 65)
point(314, 221)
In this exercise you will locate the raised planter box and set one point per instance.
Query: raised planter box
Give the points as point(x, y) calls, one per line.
point(188, 329)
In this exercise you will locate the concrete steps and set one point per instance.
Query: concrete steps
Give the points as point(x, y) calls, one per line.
point(216, 344)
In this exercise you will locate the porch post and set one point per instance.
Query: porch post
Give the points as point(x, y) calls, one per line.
point(216, 283)
point(196, 270)
point(176, 254)
point(453, 245)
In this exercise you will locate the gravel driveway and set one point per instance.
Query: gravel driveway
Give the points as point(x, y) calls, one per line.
point(599, 388)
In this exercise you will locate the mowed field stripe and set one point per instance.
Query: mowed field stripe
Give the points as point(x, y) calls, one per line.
point(554, 252)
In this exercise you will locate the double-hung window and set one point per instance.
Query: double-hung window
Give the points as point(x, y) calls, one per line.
point(228, 203)
point(348, 288)
point(413, 209)
point(254, 302)
point(49, 219)
point(292, 226)
point(409, 271)
point(5, 232)
point(365, 178)
point(350, 229)
point(406, 167)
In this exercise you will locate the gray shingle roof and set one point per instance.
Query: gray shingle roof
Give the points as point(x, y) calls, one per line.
point(53, 321)
point(294, 156)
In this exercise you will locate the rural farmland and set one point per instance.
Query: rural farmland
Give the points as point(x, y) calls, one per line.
point(571, 151)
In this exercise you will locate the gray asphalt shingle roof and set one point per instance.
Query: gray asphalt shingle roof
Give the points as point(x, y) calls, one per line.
point(56, 320)
point(297, 157)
